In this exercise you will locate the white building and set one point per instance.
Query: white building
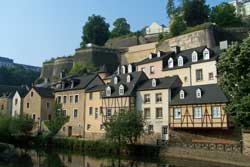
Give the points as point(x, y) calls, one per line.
point(242, 7)
point(17, 101)
point(156, 28)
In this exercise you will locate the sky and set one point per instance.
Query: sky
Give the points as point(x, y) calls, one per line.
point(32, 31)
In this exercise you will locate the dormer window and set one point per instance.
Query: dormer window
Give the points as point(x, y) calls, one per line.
point(194, 56)
point(115, 80)
point(118, 70)
point(180, 61)
point(150, 56)
point(170, 63)
point(154, 83)
point(108, 91)
point(63, 85)
point(128, 78)
point(123, 69)
point(72, 84)
point(130, 68)
point(121, 90)
point(182, 94)
point(159, 54)
point(206, 54)
point(198, 93)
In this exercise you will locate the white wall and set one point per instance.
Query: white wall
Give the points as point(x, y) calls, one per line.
point(16, 108)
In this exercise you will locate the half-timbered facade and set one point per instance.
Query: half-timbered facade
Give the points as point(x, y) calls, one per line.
point(198, 107)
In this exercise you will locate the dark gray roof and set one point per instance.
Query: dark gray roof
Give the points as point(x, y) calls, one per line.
point(162, 83)
point(137, 78)
point(10, 90)
point(45, 92)
point(210, 94)
point(23, 91)
point(164, 55)
point(96, 88)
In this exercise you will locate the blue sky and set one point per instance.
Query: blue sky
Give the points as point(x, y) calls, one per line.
point(32, 31)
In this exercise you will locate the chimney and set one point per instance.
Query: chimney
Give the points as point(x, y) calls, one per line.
point(61, 74)
point(175, 49)
point(223, 45)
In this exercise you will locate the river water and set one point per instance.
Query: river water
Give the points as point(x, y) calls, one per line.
point(32, 158)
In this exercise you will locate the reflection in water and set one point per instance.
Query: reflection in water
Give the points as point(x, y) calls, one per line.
point(33, 158)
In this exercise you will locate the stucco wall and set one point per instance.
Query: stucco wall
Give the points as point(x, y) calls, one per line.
point(246, 142)
point(183, 73)
point(16, 107)
point(157, 69)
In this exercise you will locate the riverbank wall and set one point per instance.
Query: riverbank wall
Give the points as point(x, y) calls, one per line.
point(246, 142)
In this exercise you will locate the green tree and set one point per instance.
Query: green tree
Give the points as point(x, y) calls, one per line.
point(224, 14)
point(57, 121)
point(83, 67)
point(121, 27)
point(195, 12)
point(177, 25)
point(21, 125)
point(234, 79)
point(124, 127)
point(170, 8)
point(95, 31)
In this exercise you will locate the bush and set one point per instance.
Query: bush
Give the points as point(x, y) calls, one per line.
point(177, 25)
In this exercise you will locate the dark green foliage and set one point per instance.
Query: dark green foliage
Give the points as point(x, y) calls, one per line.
point(121, 27)
point(124, 127)
point(195, 12)
point(170, 8)
point(83, 67)
point(17, 76)
point(95, 31)
point(177, 25)
point(224, 15)
point(234, 79)
point(57, 121)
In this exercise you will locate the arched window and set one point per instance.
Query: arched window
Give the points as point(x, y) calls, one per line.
point(118, 70)
point(198, 93)
point(170, 62)
point(108, 91)
point(159, 54)
point(123, 69)
point(182, 94)
point(194, 56)
point(121, 90)
point(128, 78)
point(130, 68)
point(180, 61)
point(150, 56)
point(115, 80)
point(206, 54)
point(154, 83)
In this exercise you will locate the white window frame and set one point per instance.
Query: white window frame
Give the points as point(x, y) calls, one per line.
point(182, 94)
point(194, 56)
point(121, 90)
point(177, 113)
point(128, 78)
point(108, 91)
point(116, 80)
point(206, 54)
point(197, 111)
point(180, 61)
point(123, 69)
point(170, 62)
point(154, 84)
point(198, 93)
point(130, 68)
point(217, 111)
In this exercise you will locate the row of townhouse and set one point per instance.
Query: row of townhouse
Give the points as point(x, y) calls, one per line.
point(173, 90)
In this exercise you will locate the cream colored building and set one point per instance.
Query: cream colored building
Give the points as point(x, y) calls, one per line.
point(156, 28)
point(17, 101)
point(242, 7)
point(153, 99)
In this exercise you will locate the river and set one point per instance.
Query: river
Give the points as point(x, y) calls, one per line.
point(52, 158)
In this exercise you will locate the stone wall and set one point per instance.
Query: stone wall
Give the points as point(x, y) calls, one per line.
point(246, 142)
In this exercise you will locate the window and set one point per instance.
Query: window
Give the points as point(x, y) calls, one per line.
point(152, 69)
point(28, 105)
point(88, 126)
point(180, 61)
point(158, 98)
point(90, 110)
point(197, 112)
point(198, 93)
point(182, 94)
point(64, 113)
point(206, 54)
point(194, 56)
point(165, 130)
point(2, 107)
point(71, 99)
point(150, 128)
point(16, 101)
point(170, 63)
point(150, 56)
point(121, 90)
point(210, 76)
point(177, 113)
point(108, 91)
point(33, 116)
point(101, 110)
point(130, 68)
point(32, 93)
point(115, 80)
point(143, 69)
point(147, 98)
point(64, 99)
point(199, 76)
point(159, 54)
point(96, 113)
point(153, 82)
point(216, 112)
point(48, 105)
point(75, 113)
point(76, 98)
point(123, 69)
point(158, 113)
point(128, 78)
point(146, 113)
point(59, 99)
point(90, 96)
point(109, 112)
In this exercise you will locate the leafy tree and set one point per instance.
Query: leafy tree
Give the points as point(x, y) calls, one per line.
point(21, 125)
point(82, 67)
point(195, 12)
point(234, 79)
point(224, 14)
point(170, 8)
point(95, 31)
point(177, 25)
point(121, 27)
point(125, 127)
point(57, 121)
